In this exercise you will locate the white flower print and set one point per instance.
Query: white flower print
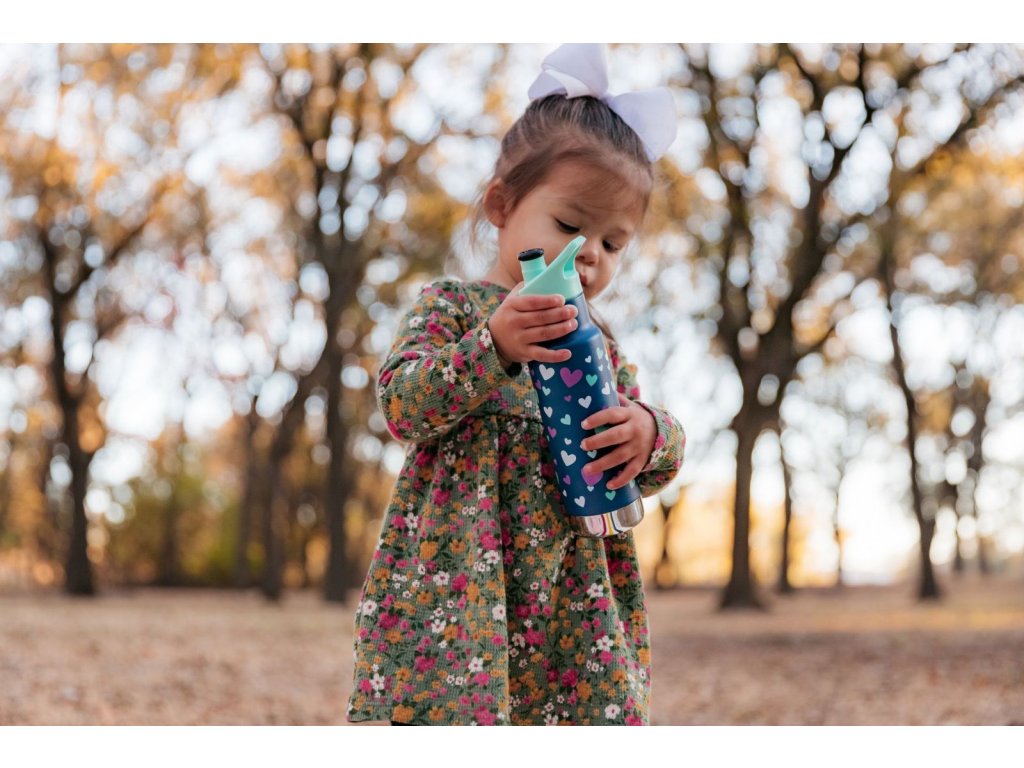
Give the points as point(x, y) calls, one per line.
point(595, 590)
point(369, 607)
point(498, 612)
point(612, 711)
point(441, 578)
point(476, 665)
point(605, 643)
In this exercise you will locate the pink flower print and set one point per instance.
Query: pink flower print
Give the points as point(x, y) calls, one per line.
point(534, 637)
point(484, 716)
point(424, 663)
point(481, 678)
point(460, 582)
point(570, 677)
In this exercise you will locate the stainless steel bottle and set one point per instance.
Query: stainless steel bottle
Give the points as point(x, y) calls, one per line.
point(569, 392)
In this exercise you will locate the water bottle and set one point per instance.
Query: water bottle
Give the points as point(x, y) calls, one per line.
point(569, 392)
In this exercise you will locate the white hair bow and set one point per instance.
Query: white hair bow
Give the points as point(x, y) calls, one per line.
point(580, 69)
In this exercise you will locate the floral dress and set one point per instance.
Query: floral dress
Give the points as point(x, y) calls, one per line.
point(480, 605)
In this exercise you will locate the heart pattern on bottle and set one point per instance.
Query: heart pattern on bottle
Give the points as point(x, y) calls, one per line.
point(569, 394)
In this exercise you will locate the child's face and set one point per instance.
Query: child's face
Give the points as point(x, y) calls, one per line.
point(574, 200)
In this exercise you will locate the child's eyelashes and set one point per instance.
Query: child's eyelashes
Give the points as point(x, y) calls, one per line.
point(569, 229)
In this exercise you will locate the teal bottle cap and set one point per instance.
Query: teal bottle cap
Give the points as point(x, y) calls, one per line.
point(558, 277)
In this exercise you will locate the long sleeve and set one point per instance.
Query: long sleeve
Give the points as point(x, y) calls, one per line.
point(439, 369)
point(670, 442)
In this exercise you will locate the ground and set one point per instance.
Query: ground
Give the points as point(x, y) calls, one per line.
point(857, 656)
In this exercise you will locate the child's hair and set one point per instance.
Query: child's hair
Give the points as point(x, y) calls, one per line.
point(555, 129)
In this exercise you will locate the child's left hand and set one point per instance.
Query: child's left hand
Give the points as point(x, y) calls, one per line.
point(634, 432)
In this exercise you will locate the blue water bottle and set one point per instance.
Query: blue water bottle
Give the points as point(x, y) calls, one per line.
point(569, 392)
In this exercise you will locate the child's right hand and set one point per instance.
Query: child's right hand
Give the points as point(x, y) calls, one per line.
point(521, 322)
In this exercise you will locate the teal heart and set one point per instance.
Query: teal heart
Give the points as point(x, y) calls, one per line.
point(566, 419)
point(591, 379)
point(546, 390)
point(610, 494)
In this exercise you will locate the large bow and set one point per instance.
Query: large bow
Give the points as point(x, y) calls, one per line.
point(580, 69)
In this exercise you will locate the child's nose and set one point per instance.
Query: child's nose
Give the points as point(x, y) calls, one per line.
point(588, 253)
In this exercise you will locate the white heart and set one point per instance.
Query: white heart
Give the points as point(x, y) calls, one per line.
point(590, 487)
point(580, 501)
point(546, 372)
point(584, 401)
point(568, 458)
point(565, 493)
point(604, 389)
point(588, 358)
point(548, 411)
point(567, 441)
point(591, 454)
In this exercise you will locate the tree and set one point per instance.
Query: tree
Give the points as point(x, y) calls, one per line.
point(785, 257)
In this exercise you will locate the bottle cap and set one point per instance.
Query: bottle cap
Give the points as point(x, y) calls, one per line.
point(558, 277)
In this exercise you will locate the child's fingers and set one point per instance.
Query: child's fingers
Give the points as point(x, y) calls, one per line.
point(531, 303)
point(548, 316)
point(620, 455)
point(629, 472)
point(614, 415)
point(605, 438)
point(545, 355)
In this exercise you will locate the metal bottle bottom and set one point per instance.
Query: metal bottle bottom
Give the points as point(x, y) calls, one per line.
point(610, 523)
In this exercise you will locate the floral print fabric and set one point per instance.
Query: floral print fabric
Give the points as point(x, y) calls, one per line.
point(480, 605)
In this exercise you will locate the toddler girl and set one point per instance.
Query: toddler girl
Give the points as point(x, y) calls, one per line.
point(481, 606)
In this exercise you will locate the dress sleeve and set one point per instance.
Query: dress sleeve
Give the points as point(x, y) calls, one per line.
point(441, 366)
point(670, 442)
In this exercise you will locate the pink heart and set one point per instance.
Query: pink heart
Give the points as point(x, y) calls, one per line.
point(553, 431)
point(567, 480)
point(571, 378)
point(568, 398)
point(592, 479)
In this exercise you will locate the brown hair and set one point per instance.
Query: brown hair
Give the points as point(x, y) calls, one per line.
point(555, 129)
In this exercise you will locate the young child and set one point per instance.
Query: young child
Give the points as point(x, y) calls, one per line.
point(481, 606)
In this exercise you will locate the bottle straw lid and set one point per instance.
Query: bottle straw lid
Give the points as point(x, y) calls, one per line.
point(558, 277)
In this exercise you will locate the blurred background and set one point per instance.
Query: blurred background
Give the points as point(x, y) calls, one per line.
point(205, 251)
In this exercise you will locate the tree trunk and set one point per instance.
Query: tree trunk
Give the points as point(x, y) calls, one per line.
point(784, 585)
point(337, 577)
point(665, 571)
point(247, 506)
point(740, 593)
point(837, 531)
point(928, 588)
point(78, 577)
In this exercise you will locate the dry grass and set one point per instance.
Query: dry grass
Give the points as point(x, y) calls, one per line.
point(861, 656)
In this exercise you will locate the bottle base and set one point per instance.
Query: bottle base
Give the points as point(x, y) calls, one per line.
point(612, 523)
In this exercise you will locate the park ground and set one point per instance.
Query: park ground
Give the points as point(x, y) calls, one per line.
point(864, 655)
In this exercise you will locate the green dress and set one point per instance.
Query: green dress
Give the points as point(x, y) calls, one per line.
point(480, 605)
